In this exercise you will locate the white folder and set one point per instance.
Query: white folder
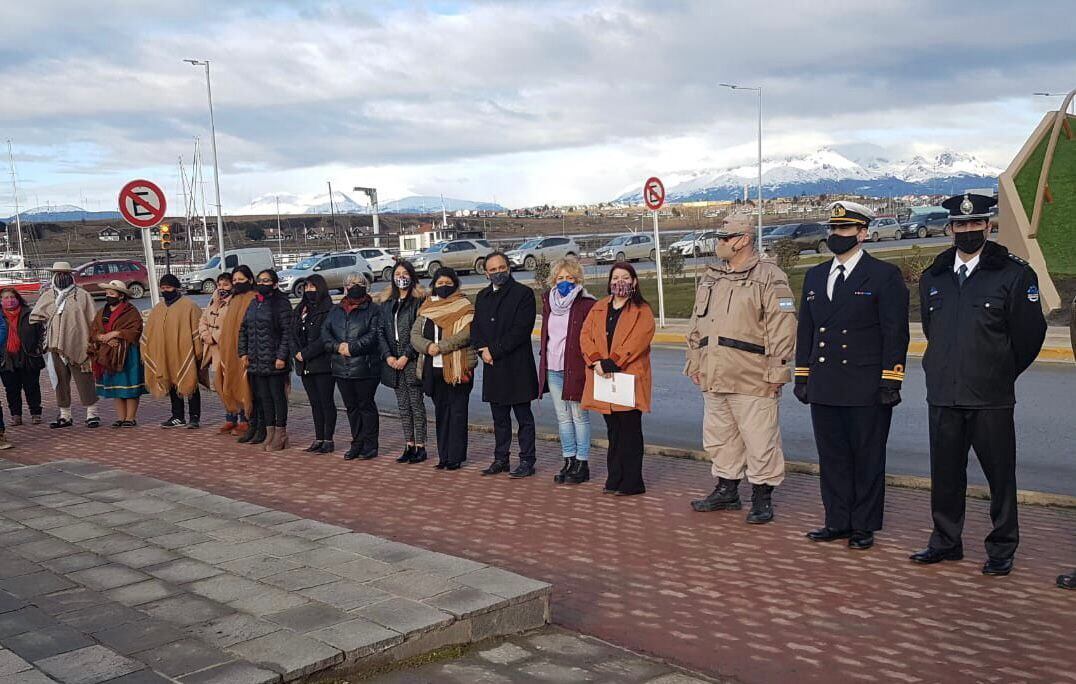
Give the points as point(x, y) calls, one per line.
point(617, 389)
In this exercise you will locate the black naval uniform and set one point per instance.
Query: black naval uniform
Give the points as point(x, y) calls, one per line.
point(847, 350)
point(982, 335)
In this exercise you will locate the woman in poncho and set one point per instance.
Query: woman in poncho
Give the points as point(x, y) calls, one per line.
point(232, 383)
point(114, 353)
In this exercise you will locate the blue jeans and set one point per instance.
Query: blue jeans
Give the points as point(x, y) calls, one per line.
point(572, 421)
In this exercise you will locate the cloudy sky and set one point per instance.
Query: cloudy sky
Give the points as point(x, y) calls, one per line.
point(522, 102)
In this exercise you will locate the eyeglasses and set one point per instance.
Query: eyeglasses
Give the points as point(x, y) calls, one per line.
point(726, 238)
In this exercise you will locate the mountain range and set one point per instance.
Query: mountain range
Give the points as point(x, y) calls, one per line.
point(342, 203)
point(61, 213)
point(848, 169)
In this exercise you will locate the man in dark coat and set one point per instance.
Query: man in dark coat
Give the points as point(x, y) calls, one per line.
point(851, 346)
point(982, 317)
point(501, 334)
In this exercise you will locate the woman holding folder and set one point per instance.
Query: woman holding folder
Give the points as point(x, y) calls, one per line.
point(616, 341)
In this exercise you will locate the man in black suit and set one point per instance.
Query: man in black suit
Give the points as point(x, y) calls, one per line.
point(852, 343)
point(982, 317)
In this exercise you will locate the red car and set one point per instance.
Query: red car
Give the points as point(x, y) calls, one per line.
point(96, 273)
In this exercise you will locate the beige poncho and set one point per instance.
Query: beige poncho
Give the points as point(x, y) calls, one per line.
point(172, 349)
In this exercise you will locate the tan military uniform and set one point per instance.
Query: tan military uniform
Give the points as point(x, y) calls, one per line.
point(742, 339)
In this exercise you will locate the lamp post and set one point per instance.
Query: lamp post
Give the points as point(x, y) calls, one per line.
point(216, 166)
point(758, 90)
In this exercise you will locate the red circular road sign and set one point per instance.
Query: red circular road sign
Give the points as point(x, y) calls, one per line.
point(142, 204)
point(653, 193)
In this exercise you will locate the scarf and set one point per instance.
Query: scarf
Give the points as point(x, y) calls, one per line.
point(122, 318)
point(561, 306)
point(348, 304)
point(231, 374)
point(453, 316)
point(172, 348)
point(14, 344)
point(61, 297)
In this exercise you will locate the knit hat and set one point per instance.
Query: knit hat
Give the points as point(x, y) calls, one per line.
point(169, 280)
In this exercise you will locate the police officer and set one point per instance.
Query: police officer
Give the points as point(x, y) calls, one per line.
point(850, 352)
point(740, 348)
point(982, 317)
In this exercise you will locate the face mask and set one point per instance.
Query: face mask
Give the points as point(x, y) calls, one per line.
point(444, 291)
point(11, 304)
point(622, 288)
point(170, 296)
point(403, 283)
point(311, 296)
point(241, 287)
point(564, 287)
point(113, 301)
point(265, 290)
point(62, 281)
point(500, 279)
point(223, 294)
point(356, 292)
point(970, 242)
point(839, 244)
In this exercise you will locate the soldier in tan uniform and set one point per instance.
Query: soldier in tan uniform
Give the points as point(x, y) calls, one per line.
point(740, 348)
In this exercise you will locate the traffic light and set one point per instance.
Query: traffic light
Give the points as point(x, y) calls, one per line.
point(166, 236)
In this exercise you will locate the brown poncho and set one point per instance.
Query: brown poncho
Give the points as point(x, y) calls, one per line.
point(123, 319)
point(172, 348)
point(231, 373)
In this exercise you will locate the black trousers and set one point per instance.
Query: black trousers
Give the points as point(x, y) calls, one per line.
point(270, 400)
point(362, 414)
point(320, 390)
point(19, 381)
point(194, 404)
point(625, 455)
point(450, 404)
point(851, 442)
point(992, 433)
point(502, 431)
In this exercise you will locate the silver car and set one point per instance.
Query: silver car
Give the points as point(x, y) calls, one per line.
point(461, 255)
point(631, 247)
point(696, 244)
point(526, 256)
point(334, 268)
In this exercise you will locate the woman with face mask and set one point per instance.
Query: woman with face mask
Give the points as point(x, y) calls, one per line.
point(562, 368)
point(114, 350)
point(265, 351)
point(233, 385)
point(399, 308)
point(209, 329)
point(446, 362)
point(616, 339)
point(352, 336)
point(23, 358)
point(312, 361)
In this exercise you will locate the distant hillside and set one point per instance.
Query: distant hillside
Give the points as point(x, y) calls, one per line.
point(293, 205)
point(62, 213)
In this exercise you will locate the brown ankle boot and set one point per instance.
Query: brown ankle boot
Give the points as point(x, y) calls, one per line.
point(240, 429)
point(226, 428)
point(280, 440)
point(270, 437)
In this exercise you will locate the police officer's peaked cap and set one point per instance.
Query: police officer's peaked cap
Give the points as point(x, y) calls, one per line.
point(844, 213)
point(969, 207)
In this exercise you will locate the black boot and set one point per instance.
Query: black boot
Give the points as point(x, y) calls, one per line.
point(725, 497)
point(407, 455)
point(259, 435)
point(579, 474)
point(761, 504)
point(568, 463)
point(252, 429)
point(497, 467)
point(419, 455)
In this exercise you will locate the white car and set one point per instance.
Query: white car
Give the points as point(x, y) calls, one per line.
point(631, 247)
point(382, 262)
point(526, 256)
point(696, 244)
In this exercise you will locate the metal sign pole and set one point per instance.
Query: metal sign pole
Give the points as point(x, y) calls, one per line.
point(151, 268)
point(661, 288)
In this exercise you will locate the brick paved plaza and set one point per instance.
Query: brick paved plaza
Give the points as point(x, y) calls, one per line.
point(704, 591)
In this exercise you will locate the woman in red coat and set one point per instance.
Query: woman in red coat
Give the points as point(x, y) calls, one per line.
point(562, 368)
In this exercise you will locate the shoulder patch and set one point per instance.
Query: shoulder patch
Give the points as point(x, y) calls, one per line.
point(1033, 294)
point(786, 304)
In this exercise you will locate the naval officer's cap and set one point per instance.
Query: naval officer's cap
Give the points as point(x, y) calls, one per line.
point(843, 213)
point(969, 207)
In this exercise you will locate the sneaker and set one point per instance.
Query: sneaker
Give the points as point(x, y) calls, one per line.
point(173, 423)
point(192, 424)
point(61, 423)
point(36, 420)
point(93, 422)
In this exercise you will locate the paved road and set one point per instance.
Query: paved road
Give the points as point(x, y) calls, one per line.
point(1043, 414)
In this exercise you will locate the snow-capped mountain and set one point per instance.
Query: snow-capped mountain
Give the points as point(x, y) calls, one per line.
point(292, 204)
point(61, 213)
point(852, 169)
point(428, 204)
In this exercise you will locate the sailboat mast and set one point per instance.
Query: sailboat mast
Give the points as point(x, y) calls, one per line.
point(332, 213)
point(15, 194)
point(201, 186)
point(186, 205)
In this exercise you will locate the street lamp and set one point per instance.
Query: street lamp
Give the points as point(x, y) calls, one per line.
point(216, 167)
point(1057, 95)
point(759, 91)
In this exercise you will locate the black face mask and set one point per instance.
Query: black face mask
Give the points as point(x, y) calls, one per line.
point(444, 291)
point(241, 287)
point(113, 301)
point(265, 290)
point(223, 294)
point(170, 296)
point(311, 296)
point(970, 242)
point(839, 244)
point(356, 292)
point(62, 281)
point(500, 279)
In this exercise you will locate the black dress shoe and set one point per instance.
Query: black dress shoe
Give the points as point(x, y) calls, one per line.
point(1067, 581)
point(367, 457)
point(419, 455)
point(997, 566)
point(453, 466)
point(314, 446)
point(929, 556)
point(442, 466)
point(825, 534)
point(521, 471)
point(496, 468)
point(351, 454)
point(861, 541)
point(327, 447)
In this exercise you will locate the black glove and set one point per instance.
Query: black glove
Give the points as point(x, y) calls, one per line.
point(609, 367)
point(800, 390)
point(888, 396)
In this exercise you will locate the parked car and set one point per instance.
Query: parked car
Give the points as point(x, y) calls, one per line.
point(133, 273)
point(806, 236)
point(462, 255)
point(204, 279)
point(334, 268)
point(696, 244)
point(631, 247)
point(526, 256)
point(926, 224)
point(884, 228)
point(382, 262)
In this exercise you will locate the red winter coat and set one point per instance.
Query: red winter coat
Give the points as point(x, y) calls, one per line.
point(574, 364)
